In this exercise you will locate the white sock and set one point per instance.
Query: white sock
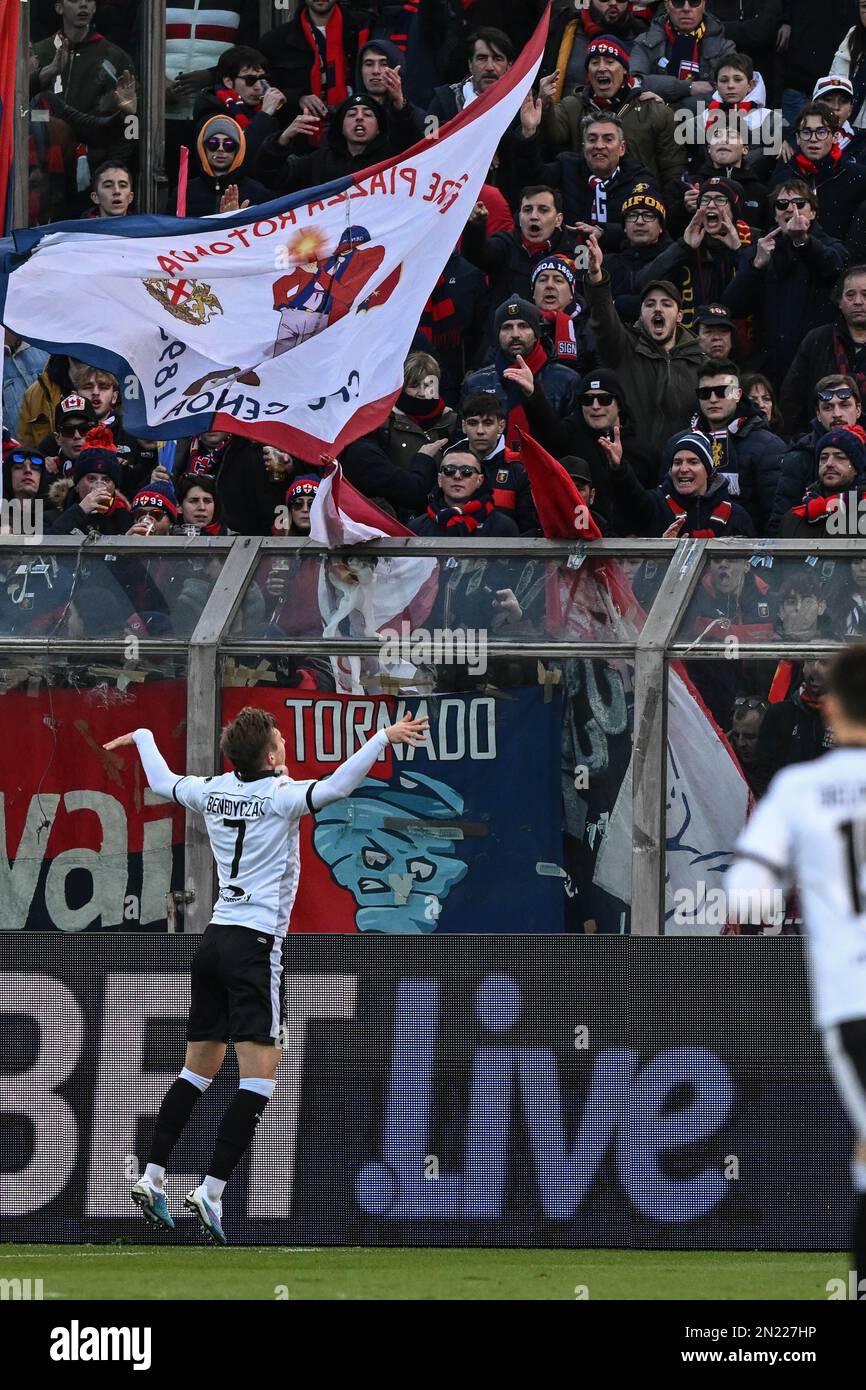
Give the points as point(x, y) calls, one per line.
point(213, 1188)
point(259, 1085)
point(201, 1083)
point(154, 1175)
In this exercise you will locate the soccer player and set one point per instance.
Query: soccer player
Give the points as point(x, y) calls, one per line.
point(809, 830)
point(252, 817)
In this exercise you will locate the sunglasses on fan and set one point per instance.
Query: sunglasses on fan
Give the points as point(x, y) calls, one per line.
point(597, 398)
point(459, 470)
point(221, 142)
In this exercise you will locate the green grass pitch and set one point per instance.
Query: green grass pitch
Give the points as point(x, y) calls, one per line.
point(246, 1272)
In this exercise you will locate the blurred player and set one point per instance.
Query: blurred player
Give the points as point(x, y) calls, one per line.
point(252, 817)
point(809, 832)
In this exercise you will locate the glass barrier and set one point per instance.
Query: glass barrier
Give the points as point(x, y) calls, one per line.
point(776, 599)
point(100, 595)
point(499, 599)
point(86, 110)
point(494, 825)
point(90, 847)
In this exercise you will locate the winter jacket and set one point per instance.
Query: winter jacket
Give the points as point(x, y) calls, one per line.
point(570, 173)
point(787, 298)
point(659, 386)
point(792, 732)
point(290, 57)
point(654, 45)
point(67, 516)
point(507, 263)
point(649, 127)
point(404, 486)
point(625, 267)
point(840, 190)
point(751, 26)
point(568, 39)
point(257, 125)
point(842, 67)
point(495, 524)
point(800, 528)
point(85, 78)
point(402, 436)
point(558, 383)
point(646, 510)
point(754, 457)
point(285, 173)
point(798, 470)
point(22, 367)
point(816, 357)
point(815, 31)
point(36, 416)
point(204, 193)
point(701, 275)
point(512, 493)
point(454, 324)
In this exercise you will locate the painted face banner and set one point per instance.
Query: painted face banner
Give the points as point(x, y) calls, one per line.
point(462, 835)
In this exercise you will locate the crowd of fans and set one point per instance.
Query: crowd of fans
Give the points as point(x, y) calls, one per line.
point(663, 282)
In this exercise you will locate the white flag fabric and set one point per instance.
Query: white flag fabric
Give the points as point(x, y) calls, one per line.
point(289, 322)
point(707, 801)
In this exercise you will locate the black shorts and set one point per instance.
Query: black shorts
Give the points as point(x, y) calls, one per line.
point(237, 986)
point(845, 1046)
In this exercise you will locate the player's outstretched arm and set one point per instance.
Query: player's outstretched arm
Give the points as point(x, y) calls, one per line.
point(352, 772)
point(159, 776)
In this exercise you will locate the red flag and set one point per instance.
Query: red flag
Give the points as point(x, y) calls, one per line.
point(9, 13)
point(562, 511)
point(182, 178)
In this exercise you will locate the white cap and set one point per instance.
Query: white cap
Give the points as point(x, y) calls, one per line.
point(832, 83)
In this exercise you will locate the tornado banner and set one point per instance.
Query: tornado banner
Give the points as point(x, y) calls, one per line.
point(88, 846)
point(287, 322)
point(463, 834)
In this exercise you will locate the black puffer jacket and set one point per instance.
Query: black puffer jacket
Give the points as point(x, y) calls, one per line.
point(754, 458)
point(286, 173)
point(558, 383)
point(646, 510)
point(798, 470)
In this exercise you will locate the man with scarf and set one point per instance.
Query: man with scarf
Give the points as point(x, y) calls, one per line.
point(517, 326)
point(745, 452)
point(794, 730)
point(678, 54)
point(92, 501)
point(566, 333)
point(786, 281)
point(312, 58)
point(461, 504)
point(704, 260)
point(836, 347)
point(830, 507)
point(838, 182)
point(594, 184)
point(648, 124)
point(573, 26)
point(508, 258)
point(482, 418)
point(694, 500)
point(835, 402)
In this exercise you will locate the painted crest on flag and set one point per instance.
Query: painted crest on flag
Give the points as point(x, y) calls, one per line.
point(190, 300)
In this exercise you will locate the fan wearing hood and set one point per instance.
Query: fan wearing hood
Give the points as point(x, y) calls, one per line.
point(221, 146)
point(379, 63)
point(360, 133)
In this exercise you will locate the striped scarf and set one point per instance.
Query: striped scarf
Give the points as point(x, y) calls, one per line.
point(684, 60)
point(464, 519)
point(329, 77)
point(718, 519)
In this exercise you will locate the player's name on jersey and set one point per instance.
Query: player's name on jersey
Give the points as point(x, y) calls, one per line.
point(241, 807)
point(843, 793)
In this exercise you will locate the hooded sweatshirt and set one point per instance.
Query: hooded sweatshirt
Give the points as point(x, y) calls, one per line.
point(284, 172)
point(204, 192)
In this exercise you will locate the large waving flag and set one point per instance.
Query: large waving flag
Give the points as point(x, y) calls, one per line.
point(288, 322)
point(708, 798)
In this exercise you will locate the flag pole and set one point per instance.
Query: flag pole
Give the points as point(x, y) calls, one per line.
point(182, 178)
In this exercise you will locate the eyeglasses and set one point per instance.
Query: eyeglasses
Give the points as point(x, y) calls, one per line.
point(597, 398)
point(640, 216)
point(459, 470)
point(221, 142)
point(782, 204)
point(712, 200)
point(837, 393)
point(70, 430)
point(818, 132)
point(706, 393)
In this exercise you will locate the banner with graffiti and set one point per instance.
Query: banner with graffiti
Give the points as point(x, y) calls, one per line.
point(462, 835)
point(88, 847)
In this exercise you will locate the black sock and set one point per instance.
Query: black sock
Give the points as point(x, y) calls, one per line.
point(172, 1119)
point(860, 1242)
point(236, 1132)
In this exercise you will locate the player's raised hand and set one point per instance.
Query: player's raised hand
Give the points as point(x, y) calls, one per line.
point(409, 730)
point(122, 742)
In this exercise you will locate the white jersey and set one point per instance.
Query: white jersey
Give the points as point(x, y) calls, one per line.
point(810, 831)
point(253, 830)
